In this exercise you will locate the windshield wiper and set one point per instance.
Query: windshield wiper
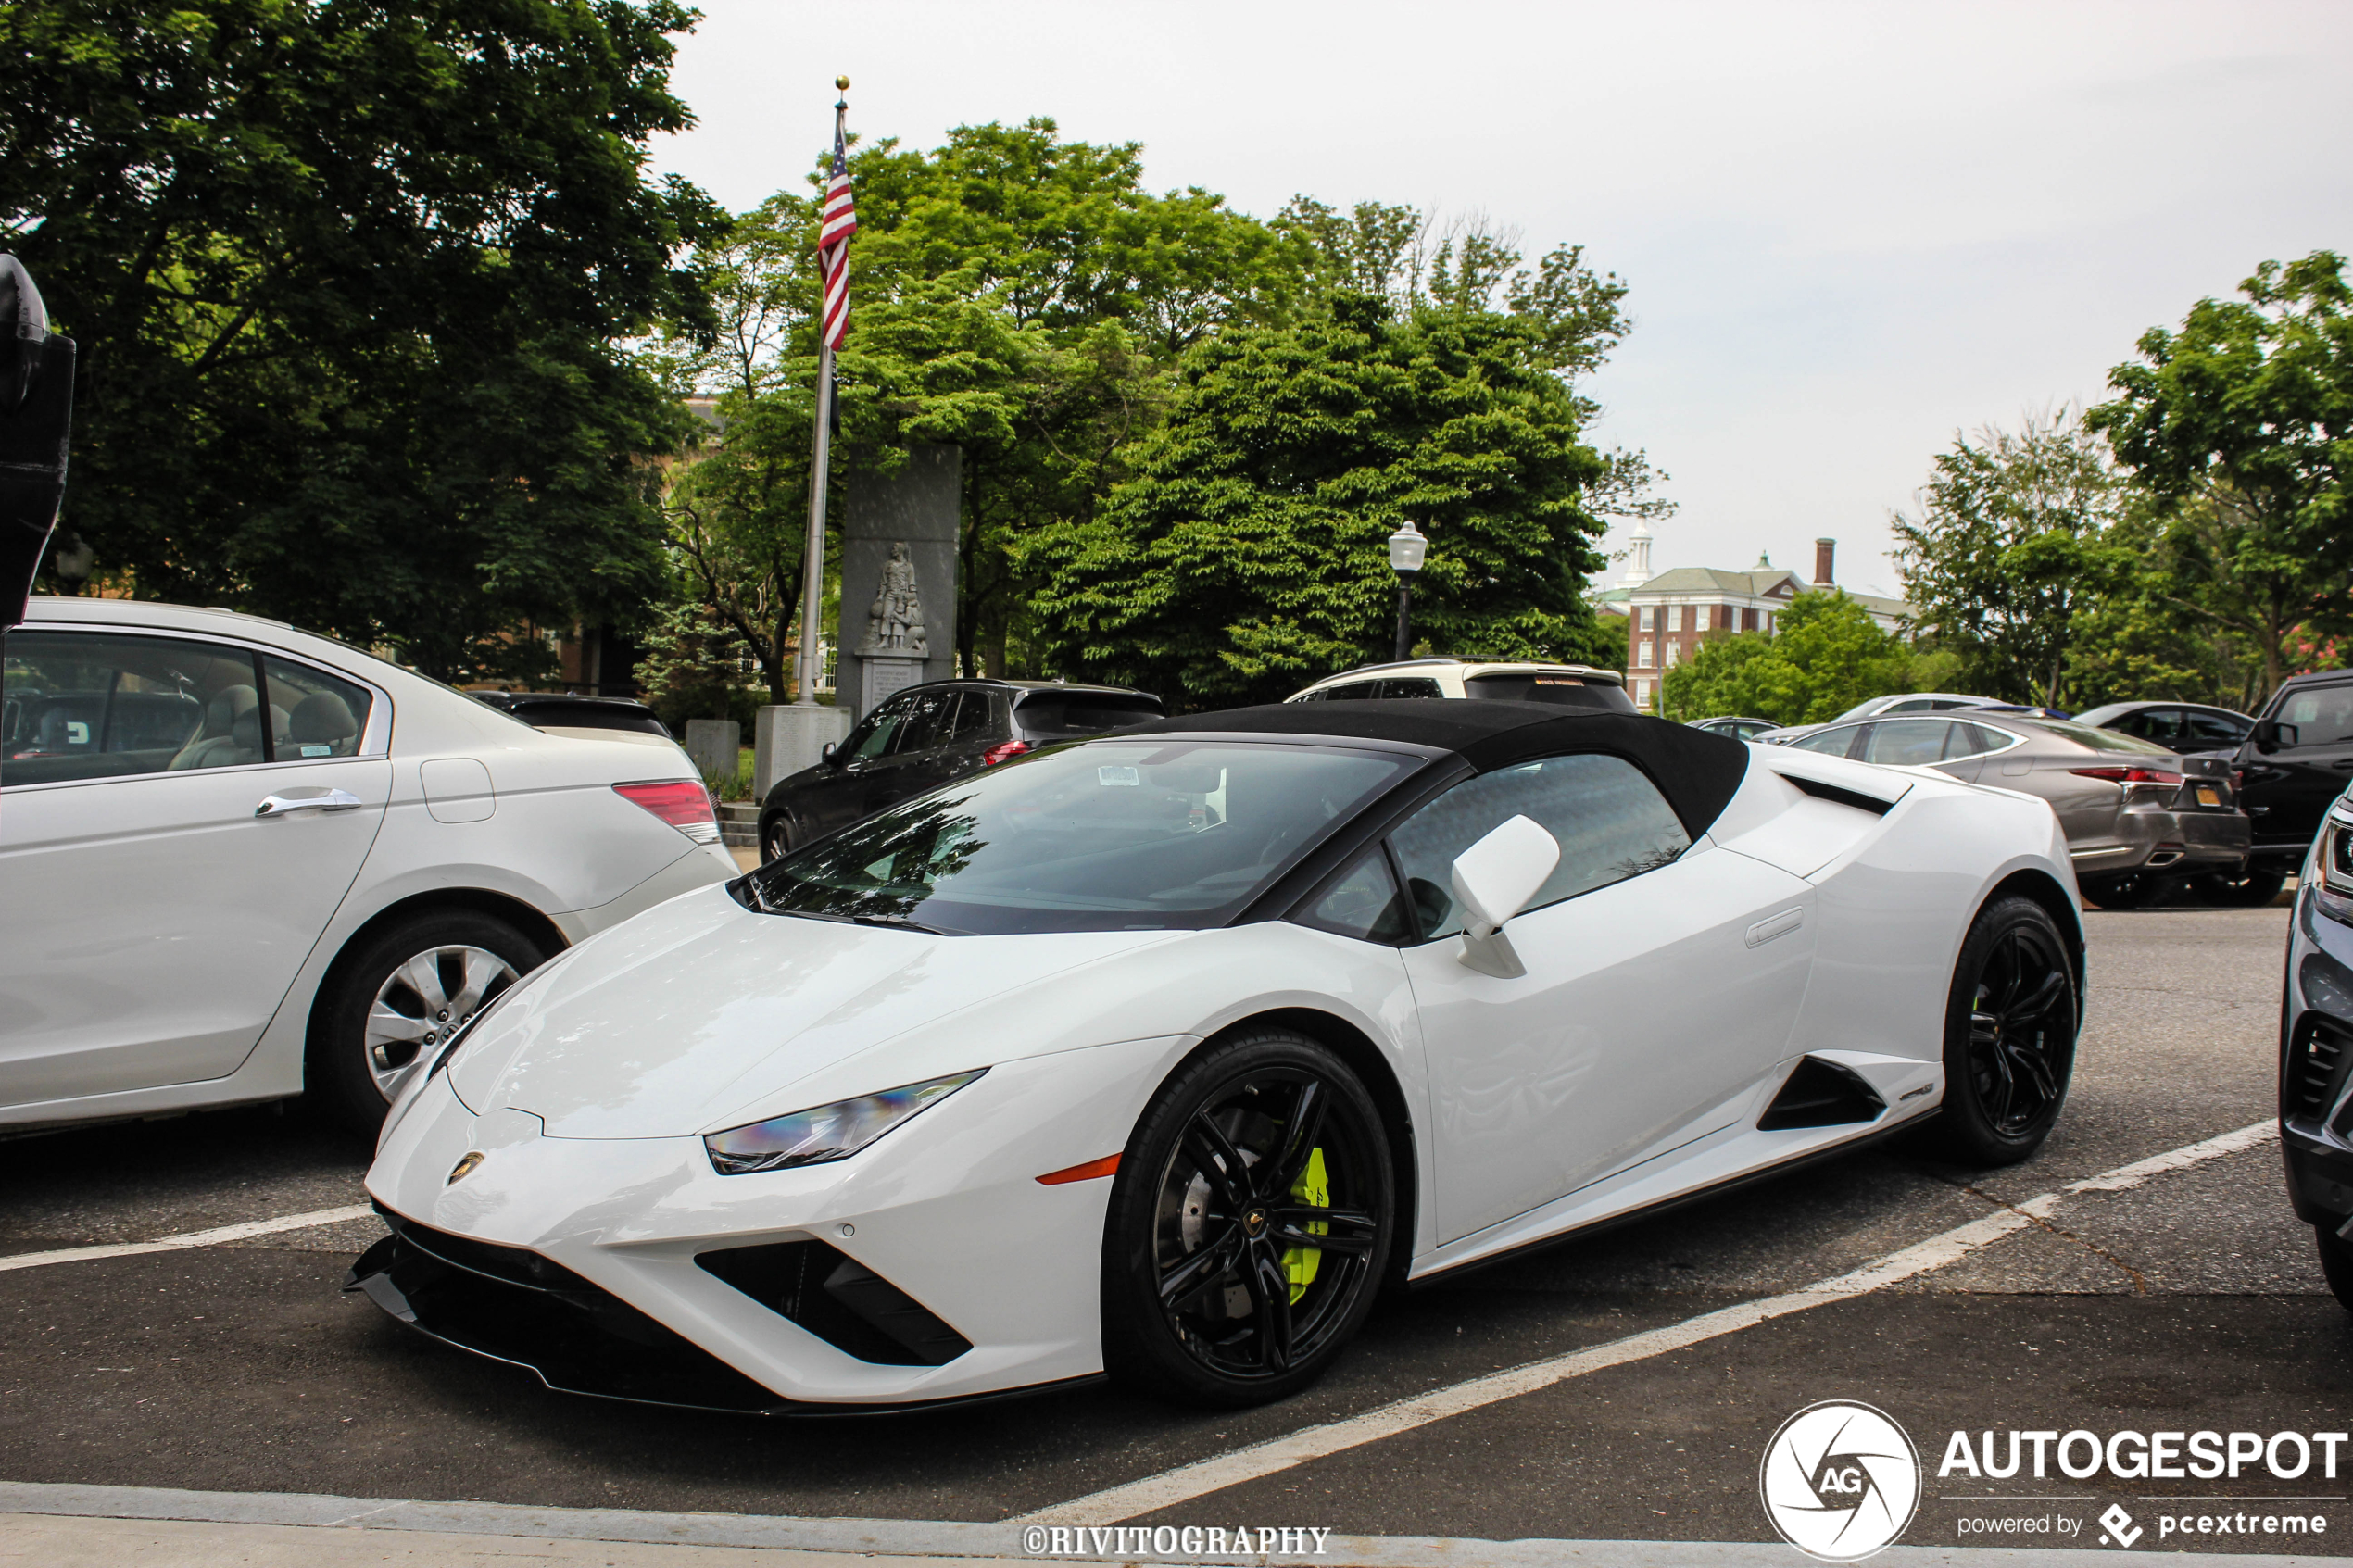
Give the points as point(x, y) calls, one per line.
point(897, 922)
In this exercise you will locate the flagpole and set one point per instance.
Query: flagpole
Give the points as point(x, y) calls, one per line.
point(812, 589)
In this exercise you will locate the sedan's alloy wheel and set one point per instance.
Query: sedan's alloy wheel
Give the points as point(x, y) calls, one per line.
point(1249, 1238)
point(424, 1002)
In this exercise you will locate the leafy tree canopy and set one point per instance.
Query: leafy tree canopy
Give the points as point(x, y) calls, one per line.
point(1247, 554)
point(348, 278)
point(1826, 655)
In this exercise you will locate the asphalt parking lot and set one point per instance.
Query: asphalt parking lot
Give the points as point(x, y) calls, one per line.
point(2185, 1297)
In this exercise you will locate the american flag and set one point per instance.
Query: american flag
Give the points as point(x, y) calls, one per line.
point(833, 245)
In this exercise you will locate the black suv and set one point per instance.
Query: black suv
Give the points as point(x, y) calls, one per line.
point(928, 734)
point(2296, 763)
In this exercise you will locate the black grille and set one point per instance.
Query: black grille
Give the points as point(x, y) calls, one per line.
point(1821, 1094)
point(2313, 1067)
point(840, 1300)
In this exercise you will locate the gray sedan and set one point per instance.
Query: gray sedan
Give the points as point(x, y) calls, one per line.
point(2135, 815)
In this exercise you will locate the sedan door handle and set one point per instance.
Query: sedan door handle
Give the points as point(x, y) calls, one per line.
point(333, 800)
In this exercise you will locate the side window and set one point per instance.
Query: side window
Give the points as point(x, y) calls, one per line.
point(1908, 743)
point(2213, 728)
point(925, 725)
point(976, 721)
point(2162, 725)
point(1829, 743)
point(2323, 716)
point(1611, 822)
point(312, 714)
point(875, 731)
point(1364, 903)
point(1917, 704)
point(1420, 686)
point(1355, 691)
point(97, 705)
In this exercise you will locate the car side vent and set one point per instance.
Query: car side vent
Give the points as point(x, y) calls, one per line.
point(1821, 1094)
point(2313, 1069)
point(1832, 792)
point(840, 1300)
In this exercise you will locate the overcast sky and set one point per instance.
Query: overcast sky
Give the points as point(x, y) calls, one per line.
point(1850, 229)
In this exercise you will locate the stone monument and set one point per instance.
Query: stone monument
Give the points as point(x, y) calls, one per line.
point(899, 540)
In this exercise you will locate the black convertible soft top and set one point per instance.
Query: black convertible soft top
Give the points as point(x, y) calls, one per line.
point(1697, 771)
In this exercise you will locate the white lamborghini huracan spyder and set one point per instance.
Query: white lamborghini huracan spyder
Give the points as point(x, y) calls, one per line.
point(1161, 1054)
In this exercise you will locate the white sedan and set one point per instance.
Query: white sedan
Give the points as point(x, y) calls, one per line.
point(1162, 1053)
point(241, 861)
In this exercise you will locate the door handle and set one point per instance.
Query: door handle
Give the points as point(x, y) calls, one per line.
point(333, 800)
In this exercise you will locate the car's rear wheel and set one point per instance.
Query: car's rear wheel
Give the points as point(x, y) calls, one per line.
point(1250, 1224)
point(2336, 1265)
point(775, 837)
point(2247, 889)
point(2009, 1036)
point(402, 994)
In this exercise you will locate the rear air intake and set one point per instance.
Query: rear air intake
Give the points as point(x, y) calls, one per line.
point(1821, 1094)
point(1831, 792)
point(840, 1300)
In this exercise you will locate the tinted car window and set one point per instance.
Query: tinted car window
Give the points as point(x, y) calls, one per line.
point(2097, 740)
point(1909, 743)
point(325, 716)
point(78, 705)
point(875, 731)
point(976, 719)
point(2323, 716)
point(1112, 835)
point(2215, 729)
point(1354, 691)
point(1610, 821)
point(1563, 690)
point(1829, 743)
point(924, 726)
point(1978, 738)
point(1420, 686)
point(1084, 713)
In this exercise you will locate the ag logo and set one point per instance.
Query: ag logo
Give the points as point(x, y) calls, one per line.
point(1840, 1480)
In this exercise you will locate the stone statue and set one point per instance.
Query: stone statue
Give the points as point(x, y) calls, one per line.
point(895, 624)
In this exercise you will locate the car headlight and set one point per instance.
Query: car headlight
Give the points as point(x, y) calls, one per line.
point(828, 1133)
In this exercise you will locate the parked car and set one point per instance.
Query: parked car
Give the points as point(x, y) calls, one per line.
point(1563, 685)
point(2294, 763)
point(562, 712)
point(2189, 728)
point(2136, 814)
point(244, 862)
point(1163, 1054)
point(2316, 1049)
point(1893, 703)
point(925, 735)
point(1736, 726)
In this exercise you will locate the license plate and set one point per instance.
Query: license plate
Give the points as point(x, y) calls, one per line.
point(2207, 796)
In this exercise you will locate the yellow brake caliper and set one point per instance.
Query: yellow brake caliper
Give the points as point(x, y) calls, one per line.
point(1314, 1188)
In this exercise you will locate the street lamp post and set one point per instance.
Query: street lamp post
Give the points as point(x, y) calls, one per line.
point(1406, 547)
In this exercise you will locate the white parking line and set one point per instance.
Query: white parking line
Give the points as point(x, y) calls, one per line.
point(1187, 1482)
point(187, 1238)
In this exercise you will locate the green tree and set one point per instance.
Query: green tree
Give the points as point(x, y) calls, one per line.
point(2241, 422)
point(2012, 549)
point(1825, 655)
point(349, 279)
point(1247, 554)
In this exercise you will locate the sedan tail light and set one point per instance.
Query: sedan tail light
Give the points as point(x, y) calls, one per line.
point(682, 803)
point(1004, 753)
point(2130, 775)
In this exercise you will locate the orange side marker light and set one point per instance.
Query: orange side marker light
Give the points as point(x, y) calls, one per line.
point(1087, 1173)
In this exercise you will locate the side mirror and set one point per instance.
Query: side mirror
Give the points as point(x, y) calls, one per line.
point(827, 754)
point(1493, 881)
point(2269, 734)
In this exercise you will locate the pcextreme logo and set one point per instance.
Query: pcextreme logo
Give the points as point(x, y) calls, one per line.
point(1840, 1480)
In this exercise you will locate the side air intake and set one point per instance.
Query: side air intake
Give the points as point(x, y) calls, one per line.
point(1821, 1094)
point(840, 1300)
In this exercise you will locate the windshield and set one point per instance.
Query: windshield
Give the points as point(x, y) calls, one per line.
point(1106, 835)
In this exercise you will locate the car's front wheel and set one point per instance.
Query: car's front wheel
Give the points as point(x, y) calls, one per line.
point(775, 837)
point(400, 995)
point(1251, 1224)
point(2009, 1036)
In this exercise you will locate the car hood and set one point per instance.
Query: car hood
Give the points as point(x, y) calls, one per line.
point(671, 1023)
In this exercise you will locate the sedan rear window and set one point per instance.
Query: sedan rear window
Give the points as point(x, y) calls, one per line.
point(1108, 835)
point(2097, 740)
point(1562, 691)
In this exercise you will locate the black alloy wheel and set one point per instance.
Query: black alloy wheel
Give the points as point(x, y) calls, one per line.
point(775, 838)
point(2246, 889)
point(2009, 1036)
point(1250, 1224)
point(2336, 1264)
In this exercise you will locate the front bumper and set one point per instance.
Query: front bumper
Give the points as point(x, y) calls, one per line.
point(931, 1267)
point(2316, 1065)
